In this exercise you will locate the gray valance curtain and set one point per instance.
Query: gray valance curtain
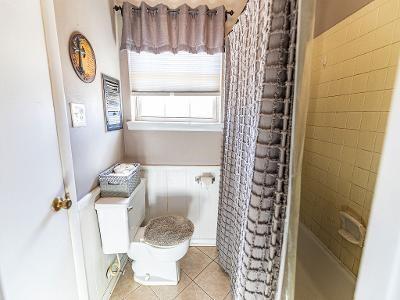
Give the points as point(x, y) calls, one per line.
point(260, 64)
point(159, 29)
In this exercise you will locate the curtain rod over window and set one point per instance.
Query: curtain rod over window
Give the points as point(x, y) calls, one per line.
point(228, 12)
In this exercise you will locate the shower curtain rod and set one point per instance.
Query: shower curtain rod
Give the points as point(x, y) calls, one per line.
point(237, 20)
point(228, 12)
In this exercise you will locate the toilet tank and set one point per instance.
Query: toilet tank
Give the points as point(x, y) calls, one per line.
point(120, 219)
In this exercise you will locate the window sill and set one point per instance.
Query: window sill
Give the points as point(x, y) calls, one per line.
point(165, 126)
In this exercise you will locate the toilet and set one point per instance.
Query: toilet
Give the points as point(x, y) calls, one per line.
point(155, 249)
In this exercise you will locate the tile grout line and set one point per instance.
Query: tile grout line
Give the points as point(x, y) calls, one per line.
point(191, 281)
point(154, 292)
point(129, 265)
point(205, 266)
point(197, 247)
point(130, 292)
point(203, 270)
point(203, 290)
point(212, 260)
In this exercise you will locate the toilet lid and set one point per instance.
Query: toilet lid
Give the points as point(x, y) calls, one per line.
point(168, 231)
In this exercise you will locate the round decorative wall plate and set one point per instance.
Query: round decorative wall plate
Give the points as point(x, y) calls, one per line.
point(82, 57)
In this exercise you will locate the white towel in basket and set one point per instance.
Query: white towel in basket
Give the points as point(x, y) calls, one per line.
point(124, 169)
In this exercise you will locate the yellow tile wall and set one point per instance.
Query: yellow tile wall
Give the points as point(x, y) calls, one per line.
point(353, 72)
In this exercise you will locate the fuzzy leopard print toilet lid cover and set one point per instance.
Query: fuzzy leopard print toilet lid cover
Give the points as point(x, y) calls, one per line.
point(168, 231)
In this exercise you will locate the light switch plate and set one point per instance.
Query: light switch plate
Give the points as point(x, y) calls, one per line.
point(78, 115)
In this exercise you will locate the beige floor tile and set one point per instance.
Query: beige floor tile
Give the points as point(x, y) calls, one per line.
point(193, 292)
point(115, 297)
point(167, 292)
point(141, 293)
point(229, 296)
point(194, 262)
point(214, 281)
point(216, 260)
point(211, 252)
point(125, 284)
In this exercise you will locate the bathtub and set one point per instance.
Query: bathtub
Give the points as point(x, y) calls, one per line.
point(319, 274)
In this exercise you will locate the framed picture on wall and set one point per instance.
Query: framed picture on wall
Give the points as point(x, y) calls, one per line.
point(112, 103)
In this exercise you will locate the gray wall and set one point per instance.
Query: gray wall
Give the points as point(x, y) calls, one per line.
point(93, 148)
point(331, 12)
point(173, 148)
point(176, 148)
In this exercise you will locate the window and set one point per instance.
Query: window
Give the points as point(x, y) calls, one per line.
point(182, 89)
point(178, 108)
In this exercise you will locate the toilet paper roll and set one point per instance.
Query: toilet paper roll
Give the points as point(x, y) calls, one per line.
point(206, 181)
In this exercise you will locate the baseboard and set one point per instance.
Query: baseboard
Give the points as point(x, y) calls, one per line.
point(203, 242)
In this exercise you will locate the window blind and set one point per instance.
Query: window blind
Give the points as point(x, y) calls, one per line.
point(168, 72)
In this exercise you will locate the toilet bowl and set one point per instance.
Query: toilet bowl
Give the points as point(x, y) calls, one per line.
point(156, 265)
point(155, 249)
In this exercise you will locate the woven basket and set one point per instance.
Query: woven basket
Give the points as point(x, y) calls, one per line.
point(112, 185)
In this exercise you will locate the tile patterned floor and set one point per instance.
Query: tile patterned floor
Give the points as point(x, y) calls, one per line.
point(201, 279)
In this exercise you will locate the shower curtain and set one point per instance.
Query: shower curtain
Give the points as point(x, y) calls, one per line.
point(260, 62)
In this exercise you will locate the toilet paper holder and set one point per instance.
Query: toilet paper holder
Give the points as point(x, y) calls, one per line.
point(207, 176)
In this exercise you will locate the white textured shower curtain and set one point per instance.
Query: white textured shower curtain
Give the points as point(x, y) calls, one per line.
point(260, 59)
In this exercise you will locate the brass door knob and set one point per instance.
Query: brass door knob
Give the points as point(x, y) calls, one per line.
point(59, 202)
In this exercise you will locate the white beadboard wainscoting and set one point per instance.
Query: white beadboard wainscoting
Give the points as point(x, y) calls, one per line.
point(174, 190)
point(96, 262)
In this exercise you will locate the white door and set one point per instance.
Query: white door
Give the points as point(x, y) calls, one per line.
point(36, 258)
